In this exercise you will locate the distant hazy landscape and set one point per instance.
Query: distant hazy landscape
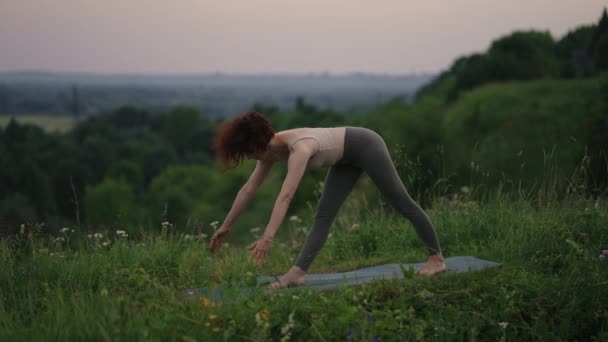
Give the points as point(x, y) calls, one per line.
point(216, 95)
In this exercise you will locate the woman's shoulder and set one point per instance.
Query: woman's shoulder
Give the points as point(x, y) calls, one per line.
point(303, 130)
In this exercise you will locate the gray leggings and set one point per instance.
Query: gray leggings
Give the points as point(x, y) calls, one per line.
point(364, 149)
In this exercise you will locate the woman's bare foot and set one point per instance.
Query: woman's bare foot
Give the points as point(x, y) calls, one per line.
point(293, 277)
point(434, 265)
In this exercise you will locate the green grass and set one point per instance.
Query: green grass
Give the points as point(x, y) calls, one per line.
point(61, 124)
point(551, 284)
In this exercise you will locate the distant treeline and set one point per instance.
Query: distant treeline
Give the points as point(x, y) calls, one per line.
point(221, 95)
point(518, 117)
point(129, 166)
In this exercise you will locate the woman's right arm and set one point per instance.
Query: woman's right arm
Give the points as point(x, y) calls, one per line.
point(240, 203)
point(247, 191)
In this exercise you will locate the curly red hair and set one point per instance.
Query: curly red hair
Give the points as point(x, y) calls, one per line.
point(243, 135)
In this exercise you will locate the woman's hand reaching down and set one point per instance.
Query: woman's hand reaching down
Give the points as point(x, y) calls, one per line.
point(218, 238)
point(260, 249)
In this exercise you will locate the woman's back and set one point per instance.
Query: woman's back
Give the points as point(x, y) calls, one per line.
point(330, 143)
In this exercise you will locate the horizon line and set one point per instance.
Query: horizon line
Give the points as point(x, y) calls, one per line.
point(217, 73)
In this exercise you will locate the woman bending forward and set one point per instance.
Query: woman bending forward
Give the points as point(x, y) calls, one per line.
point(346, 151)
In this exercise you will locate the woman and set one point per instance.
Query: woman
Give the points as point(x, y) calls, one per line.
point(347, 151)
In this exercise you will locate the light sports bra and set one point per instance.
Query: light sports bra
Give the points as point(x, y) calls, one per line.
point(329, 151)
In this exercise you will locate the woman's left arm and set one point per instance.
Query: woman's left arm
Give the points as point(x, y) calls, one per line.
point(296, 165)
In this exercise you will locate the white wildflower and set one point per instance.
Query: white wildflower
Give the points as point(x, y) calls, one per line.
point(255, 229)
point(294, 218)
point(465, 189)
point(503, 325)
point(65, 229)
point(98, 235)
point(287, 328)
point(60, 239)
point(120, 232)
point(106, 243)
point(204, 236)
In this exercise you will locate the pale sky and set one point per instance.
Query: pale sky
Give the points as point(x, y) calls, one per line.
point(256, 36)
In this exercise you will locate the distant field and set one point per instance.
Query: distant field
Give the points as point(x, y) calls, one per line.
point(60, 124)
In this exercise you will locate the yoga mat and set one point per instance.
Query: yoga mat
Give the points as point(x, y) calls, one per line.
point(328, 281)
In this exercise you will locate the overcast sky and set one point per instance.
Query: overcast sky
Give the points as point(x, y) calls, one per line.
point(254, 36)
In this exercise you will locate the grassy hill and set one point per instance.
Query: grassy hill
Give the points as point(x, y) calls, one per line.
point(551, 284)
point(510, 134)
point(515, 129)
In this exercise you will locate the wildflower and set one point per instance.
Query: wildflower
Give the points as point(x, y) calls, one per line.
point(503, 325)
point(206, 303)
point(207, 324)
point(286, 329)
point(97, 235)
point(60, 239)
point(294, 218)
point(254, 229)
point(465, 189)
point(216, 330)
point(432, 299)
point(204, 236)
point(214, 224)
point(105, 243)
point(190, 292)
point(65, 229)
point(212, 317)
point(261, 317)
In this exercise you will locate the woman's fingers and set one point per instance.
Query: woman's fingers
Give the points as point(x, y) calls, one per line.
point(258, 255)
point(261, 257)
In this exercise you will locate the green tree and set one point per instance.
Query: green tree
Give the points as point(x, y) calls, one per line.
point(110, 202)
